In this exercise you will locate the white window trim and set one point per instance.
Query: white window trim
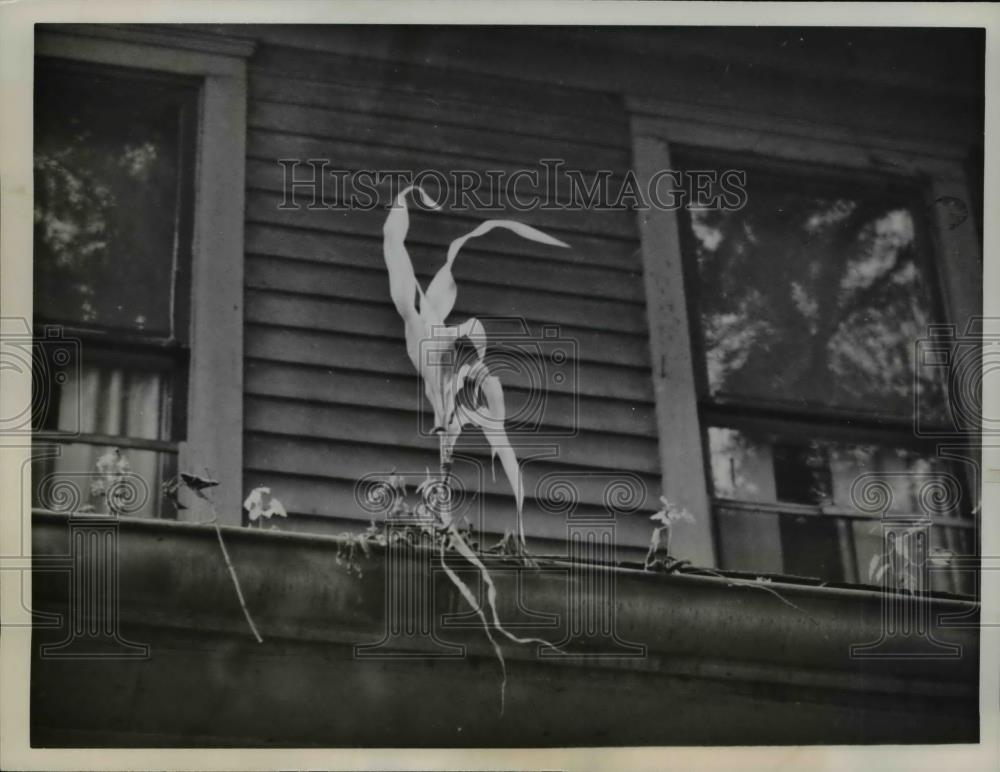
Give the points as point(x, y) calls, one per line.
point(656, 127)
point(215, 385)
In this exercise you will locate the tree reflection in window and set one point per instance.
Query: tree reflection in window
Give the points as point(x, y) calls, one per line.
point(814, 299)
point(809, 302)
point(109, 194)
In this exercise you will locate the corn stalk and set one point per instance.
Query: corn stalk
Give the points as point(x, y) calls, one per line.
point(460, 395)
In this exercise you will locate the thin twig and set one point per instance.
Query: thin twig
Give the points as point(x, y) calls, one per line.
point(214, 522)
point(236, 582)
point(733, 582)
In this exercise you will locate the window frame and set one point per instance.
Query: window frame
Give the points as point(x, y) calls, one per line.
point(167, 352)
point(214, 397)
point(658, 127)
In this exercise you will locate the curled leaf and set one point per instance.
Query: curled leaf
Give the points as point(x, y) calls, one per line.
point(277, 509)
point(442, 291)
point(197, 482)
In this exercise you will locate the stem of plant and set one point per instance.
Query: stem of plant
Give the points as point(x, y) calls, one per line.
point(229, 564)
point(236, 584)
point(445, 459)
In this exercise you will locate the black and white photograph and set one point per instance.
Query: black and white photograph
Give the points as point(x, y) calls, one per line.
point(527, 384)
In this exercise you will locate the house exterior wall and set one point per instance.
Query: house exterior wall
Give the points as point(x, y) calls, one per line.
point(330, 396)
point(325, 392)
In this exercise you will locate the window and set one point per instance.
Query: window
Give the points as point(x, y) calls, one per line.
point(807, 305)
point(139, 176)
point(788, 330)
point(113, 160)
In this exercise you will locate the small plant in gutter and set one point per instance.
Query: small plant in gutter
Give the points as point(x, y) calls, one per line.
point(896, 569)
point(260, 505)
point(669, 515)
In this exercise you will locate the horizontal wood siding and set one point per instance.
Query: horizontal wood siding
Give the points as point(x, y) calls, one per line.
point(330, 394)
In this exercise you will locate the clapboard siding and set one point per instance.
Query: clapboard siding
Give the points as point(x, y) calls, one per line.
point(476, 299)
point(482, 143)
point(377, 389)
point(439, 230)
point(462, 96)
point(483, 267)
point(310, 500)
point(332, 312)
point(302, 89)
point(335, 467)
point(330, 393)
point(264, 173)
point(401, 428)
point(267, 174)
point(355, 352)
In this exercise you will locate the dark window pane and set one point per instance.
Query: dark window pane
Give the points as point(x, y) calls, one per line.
point(749, 541)
point(812, 546)
point(111, 228)
point(802, 472)
point(813, 296)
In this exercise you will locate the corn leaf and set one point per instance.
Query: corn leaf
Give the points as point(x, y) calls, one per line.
point(442, 291)
point(403, 287)
point(491, 420)
point(473, 329)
